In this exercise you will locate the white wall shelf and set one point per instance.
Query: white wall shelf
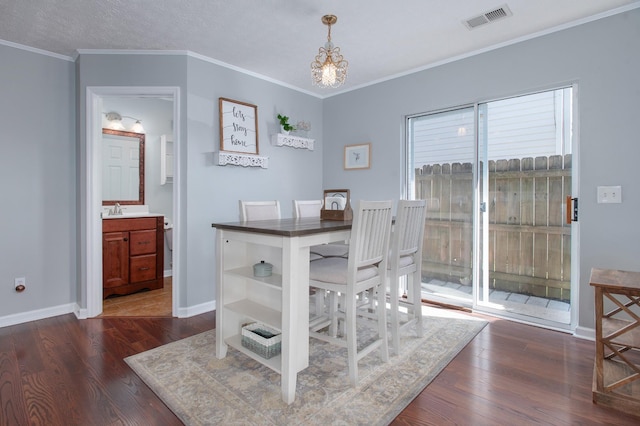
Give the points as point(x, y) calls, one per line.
point(281, 139)
point(166, 159)
point(244, 160)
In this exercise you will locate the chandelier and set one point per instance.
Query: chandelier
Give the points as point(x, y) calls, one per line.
point(329, 68)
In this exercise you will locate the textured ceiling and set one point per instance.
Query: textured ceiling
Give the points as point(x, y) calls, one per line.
point(278, 39)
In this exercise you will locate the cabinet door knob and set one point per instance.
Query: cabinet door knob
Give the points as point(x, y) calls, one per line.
point(125, 239)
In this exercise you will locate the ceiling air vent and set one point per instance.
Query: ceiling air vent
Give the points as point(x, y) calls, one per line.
point(487, 17)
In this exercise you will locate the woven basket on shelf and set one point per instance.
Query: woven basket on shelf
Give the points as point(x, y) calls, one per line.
point(262, 339)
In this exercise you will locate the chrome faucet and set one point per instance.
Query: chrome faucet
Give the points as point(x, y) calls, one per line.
point(116, 210)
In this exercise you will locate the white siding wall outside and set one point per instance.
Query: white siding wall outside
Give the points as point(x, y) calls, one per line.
point(524, 126)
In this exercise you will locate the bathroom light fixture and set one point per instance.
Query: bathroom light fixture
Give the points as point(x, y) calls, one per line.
point(115, 122)
point(329, 68)
point(137, 127)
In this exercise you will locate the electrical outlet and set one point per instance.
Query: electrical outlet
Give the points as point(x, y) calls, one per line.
point(609, 194)
point(19, 283)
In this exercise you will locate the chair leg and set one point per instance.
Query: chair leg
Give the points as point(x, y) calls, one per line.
point(352, 344)
point(395, 320)
point(333, 309)
point(382, 322)
point(415, 297)
point(320, 296)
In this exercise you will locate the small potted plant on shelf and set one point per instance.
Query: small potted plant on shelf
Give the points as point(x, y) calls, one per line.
point(284, 124)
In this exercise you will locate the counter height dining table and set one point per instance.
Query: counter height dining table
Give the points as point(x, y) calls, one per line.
point(281, 300)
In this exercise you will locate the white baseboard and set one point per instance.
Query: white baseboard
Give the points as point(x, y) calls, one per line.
point(38, 314)
point(81, 313)
point(585, 333)
point(197, 309)
point(168, 273)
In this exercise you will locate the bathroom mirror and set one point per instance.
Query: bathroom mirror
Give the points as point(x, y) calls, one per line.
point(122, 167)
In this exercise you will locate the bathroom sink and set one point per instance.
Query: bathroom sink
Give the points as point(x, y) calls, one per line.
point(128, 211)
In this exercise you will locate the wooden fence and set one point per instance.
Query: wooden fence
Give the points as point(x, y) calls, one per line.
point(529, 240)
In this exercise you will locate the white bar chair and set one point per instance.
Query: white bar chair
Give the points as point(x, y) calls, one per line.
point(306, 208)
point(365, 270)
point(405, 259)
point(259, 210)
point(311, 208)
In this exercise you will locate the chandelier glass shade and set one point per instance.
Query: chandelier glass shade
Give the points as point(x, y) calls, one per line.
point(329, 69)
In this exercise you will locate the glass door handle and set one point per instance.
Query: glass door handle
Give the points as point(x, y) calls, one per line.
point(572, 210)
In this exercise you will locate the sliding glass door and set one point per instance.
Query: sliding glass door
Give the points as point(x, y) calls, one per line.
point(496, 176)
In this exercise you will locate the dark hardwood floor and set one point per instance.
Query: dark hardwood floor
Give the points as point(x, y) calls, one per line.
point(63, 371)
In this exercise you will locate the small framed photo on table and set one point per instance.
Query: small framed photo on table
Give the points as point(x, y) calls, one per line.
point(357, 156)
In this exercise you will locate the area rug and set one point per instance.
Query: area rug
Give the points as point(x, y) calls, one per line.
point(203, 390)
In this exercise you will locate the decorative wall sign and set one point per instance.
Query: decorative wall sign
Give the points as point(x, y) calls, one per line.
point(357, 156)
point(238, 126)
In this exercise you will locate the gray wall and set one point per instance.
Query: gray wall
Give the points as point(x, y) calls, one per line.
point(37, 181)
point(602, 57)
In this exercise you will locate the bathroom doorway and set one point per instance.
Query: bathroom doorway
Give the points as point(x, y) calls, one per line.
point(157, 110)
point(153, 117)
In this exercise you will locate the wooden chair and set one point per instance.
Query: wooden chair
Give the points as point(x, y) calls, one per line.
point(259, 210)
point(365, 270)
point(405, 259)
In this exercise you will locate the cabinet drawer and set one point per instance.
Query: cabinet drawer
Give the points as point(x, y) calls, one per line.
point(142, 268)
point(113, 225)
point(142, 242)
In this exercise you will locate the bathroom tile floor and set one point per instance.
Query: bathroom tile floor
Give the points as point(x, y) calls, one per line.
point(154, 303)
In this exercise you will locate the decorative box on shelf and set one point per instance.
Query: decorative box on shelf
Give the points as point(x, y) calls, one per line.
point(337, 205)
point(282, 139)
point(262, 339)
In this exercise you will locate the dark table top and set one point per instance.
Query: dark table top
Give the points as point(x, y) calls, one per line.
point(286, 227)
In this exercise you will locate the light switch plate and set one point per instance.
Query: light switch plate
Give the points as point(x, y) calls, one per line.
point(609, 194)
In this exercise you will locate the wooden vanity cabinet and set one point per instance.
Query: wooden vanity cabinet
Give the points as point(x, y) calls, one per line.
point(132, 254)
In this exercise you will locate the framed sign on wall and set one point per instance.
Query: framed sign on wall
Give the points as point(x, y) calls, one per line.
point(238, 126)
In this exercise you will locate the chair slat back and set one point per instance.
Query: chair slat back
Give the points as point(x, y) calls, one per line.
point(259, 210)
point(370, 232)
point(408, 233)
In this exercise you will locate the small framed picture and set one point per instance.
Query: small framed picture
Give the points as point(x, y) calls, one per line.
point(238, 126)
point(357, 156)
